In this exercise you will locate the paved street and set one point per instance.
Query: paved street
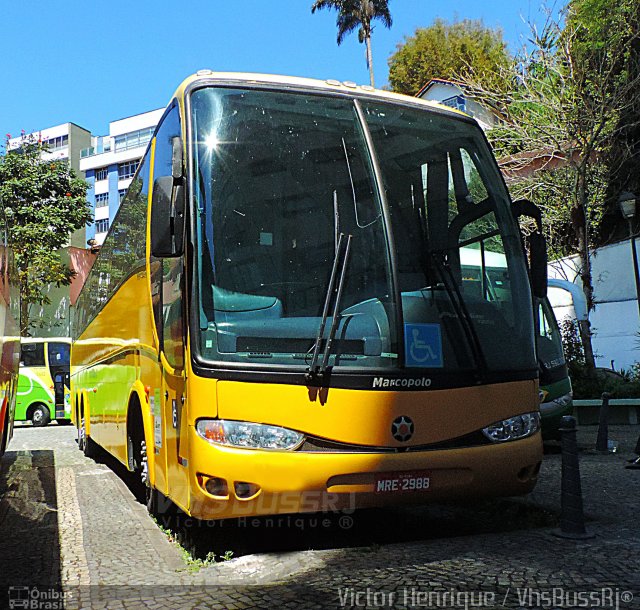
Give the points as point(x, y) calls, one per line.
point(72, 528)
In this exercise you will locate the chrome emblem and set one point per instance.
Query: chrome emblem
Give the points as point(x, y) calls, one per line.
point(402, 428)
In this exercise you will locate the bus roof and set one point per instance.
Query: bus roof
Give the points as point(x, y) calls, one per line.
point(45, 340)
point(326, 86)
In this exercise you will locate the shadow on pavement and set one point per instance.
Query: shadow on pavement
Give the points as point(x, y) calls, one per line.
point(368, 527)
point(128, 478)
point(362, 528)
point(29, 538)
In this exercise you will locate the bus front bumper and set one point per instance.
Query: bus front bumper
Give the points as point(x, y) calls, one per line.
point(228, 482)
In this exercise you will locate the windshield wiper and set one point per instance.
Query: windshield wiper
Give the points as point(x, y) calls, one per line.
point(316, 371)
point(453, 291)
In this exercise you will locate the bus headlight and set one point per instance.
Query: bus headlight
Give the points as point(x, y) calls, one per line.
point(513, 428)
point(248, 435)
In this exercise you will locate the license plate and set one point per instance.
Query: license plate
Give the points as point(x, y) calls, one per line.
point(403, 482)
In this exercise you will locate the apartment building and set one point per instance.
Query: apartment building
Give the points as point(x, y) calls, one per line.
point(109, 163)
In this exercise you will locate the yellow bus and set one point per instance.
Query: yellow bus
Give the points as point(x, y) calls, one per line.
point(9, 335)
point(278, 320)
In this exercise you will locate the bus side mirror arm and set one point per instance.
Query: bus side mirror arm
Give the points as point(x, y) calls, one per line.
point(537, 245)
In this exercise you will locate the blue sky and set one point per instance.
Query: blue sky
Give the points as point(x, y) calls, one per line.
point(92, 62)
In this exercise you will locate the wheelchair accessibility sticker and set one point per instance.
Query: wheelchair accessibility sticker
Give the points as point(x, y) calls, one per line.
point(423, 345)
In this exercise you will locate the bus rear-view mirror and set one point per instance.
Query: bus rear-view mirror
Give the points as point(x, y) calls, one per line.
point(538, 264)
point(167, 218)
point(537, 246)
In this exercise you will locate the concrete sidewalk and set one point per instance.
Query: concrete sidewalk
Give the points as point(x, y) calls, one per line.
point(70, 525)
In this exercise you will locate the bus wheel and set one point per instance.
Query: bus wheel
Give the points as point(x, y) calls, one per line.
point(143, 471)
point(158, 505)
point(40, 415)
point(81, 434)
point(86, 444)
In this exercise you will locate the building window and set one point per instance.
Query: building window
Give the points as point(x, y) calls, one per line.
point(121, 194)
point(133, 139)
point(457, 101)
point(56, 143)
point(102, 226)
point(127, 169)
point(102, 173)
point(102, 199)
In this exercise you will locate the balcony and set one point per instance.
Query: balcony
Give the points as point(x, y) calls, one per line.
point(103, 146)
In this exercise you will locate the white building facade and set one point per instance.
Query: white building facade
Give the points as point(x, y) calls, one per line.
point(109, 164)
point(615, 320)
point(452, 94)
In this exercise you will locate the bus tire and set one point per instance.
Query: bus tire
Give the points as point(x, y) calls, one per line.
point(39, 415)
point(89, 447)
point(143, 474)
point(79, 431)
point(159, 506)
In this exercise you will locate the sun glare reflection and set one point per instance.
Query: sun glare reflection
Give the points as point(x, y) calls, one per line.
point(212, 142)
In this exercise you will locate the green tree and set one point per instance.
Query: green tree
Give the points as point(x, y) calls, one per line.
point(561, 115)
point(449, 51)
point(44, 202)
point(358, 14)
point(601, 26)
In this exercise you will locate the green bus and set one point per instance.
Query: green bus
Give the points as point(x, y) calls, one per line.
point(43, 384)
point(556, 393)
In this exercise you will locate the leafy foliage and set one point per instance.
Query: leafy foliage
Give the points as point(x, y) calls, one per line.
point(561, 116)
point(602, 27)
point(44, 202)
point(357, 14)
point(450, 52)
point(573, 351)
point(549, 188)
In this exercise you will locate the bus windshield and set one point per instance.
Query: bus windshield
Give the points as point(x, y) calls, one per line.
point(280, 176)
point(58, 353)
point(549, 340)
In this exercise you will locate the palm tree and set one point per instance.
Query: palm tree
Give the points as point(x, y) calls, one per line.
point(354, 14)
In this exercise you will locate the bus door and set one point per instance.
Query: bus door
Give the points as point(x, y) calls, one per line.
point(58, 356)
point(173, 381)
point(61, 390)
point(171, 427)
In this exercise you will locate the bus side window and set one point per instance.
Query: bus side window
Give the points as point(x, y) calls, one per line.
point(32, 354)
point(172, 344)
